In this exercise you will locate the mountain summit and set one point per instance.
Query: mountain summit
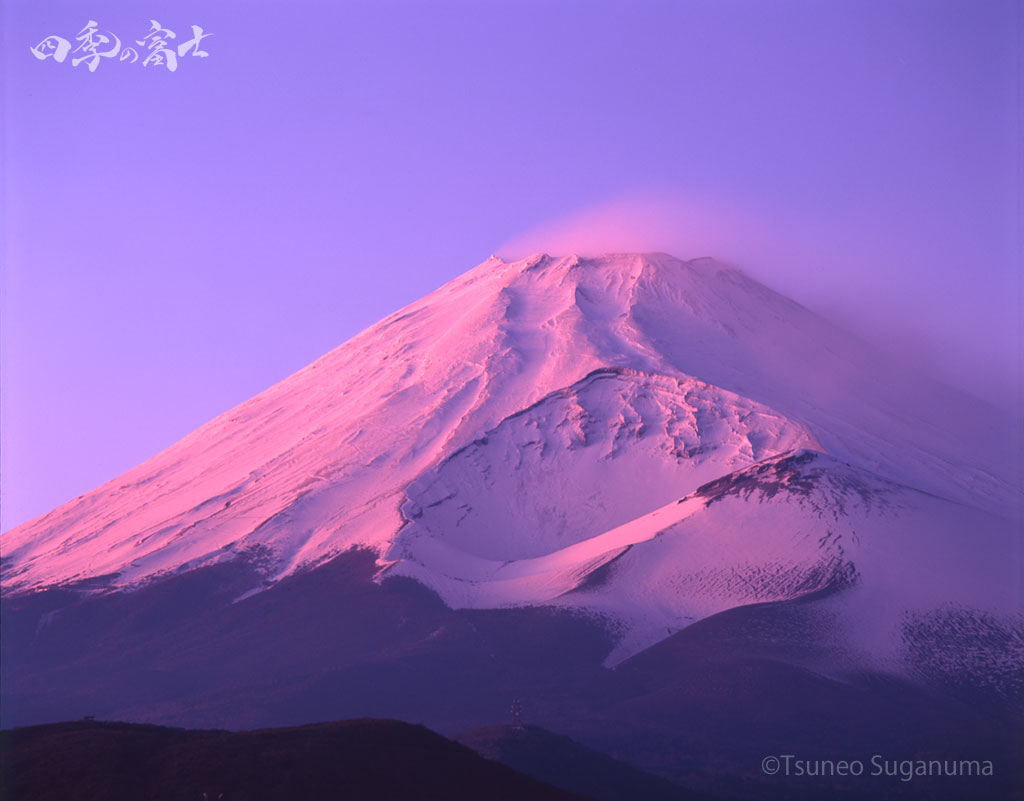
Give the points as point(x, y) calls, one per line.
point(635, 436)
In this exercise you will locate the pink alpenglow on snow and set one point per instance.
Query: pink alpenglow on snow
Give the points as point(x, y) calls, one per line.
point(632, 436)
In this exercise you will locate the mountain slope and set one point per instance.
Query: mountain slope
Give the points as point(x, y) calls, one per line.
point(562, 762)
point(321, 461)
point(798, 525)
point(700, 708)
point(546, 432)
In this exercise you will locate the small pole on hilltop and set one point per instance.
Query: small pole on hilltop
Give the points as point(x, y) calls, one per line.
point(517, 713)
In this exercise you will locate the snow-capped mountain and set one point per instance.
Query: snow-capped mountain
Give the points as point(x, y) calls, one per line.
point(633, 436)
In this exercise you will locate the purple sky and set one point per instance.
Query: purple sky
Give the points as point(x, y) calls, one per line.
point(176, 242)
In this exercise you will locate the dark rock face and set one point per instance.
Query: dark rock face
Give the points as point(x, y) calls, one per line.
point(800, 475)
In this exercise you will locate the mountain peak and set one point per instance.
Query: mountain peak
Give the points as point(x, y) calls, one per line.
point(578, 350)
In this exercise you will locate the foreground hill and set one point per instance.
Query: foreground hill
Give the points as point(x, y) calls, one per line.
point(368, 760)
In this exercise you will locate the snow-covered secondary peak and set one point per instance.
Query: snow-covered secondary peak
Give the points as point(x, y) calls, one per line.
point(520, 411)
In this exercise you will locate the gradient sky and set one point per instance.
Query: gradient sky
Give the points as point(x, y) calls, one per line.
point(176, 242)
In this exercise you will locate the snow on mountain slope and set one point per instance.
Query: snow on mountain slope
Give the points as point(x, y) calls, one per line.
point(530, 410)
point(876, 555)
point(599, 453)
point(800, 525)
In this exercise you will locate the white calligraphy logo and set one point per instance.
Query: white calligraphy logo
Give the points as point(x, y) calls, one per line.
point(156, 48)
